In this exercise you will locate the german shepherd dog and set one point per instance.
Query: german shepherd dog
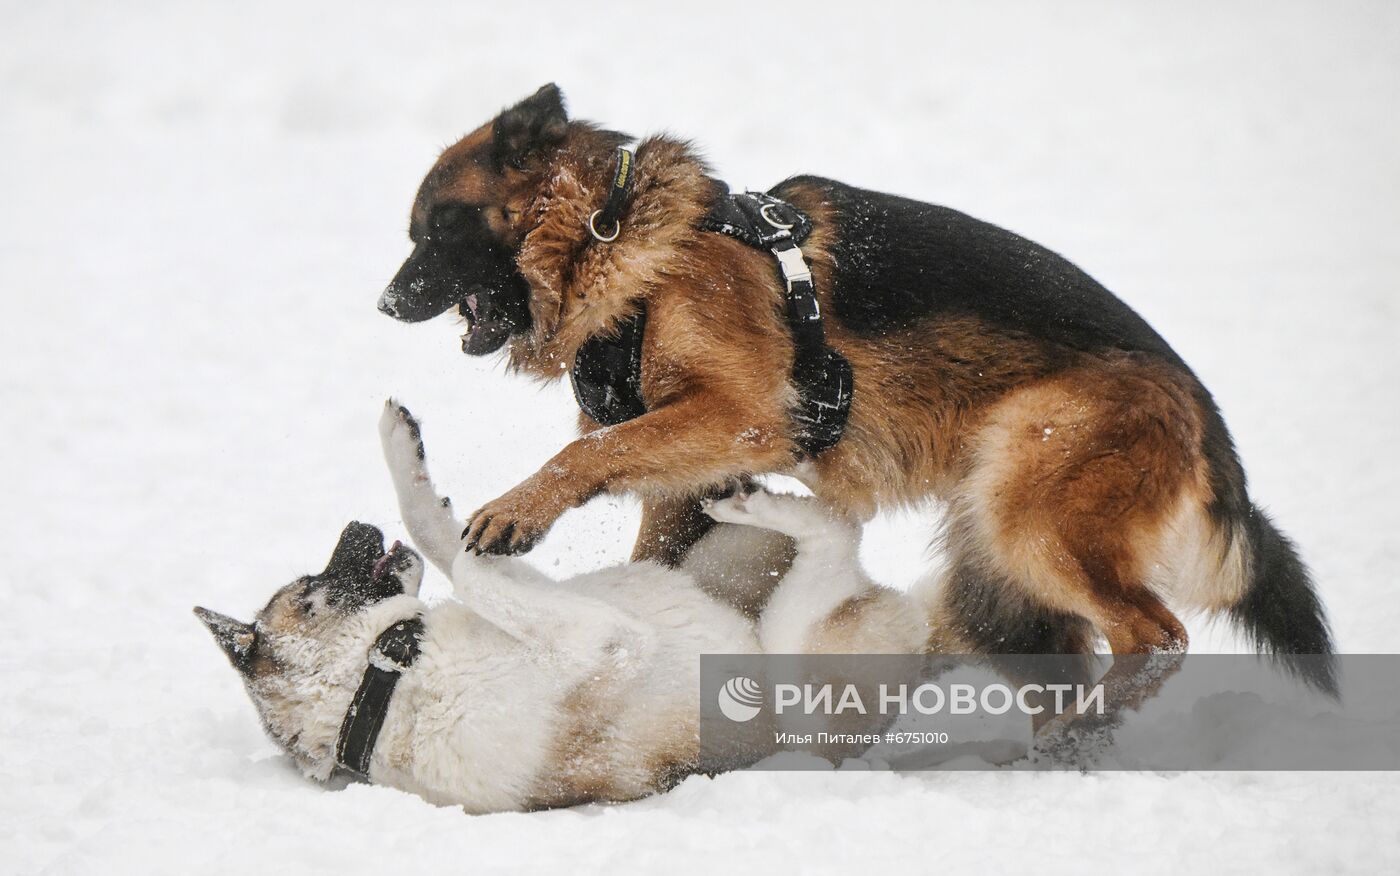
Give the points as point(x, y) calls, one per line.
point(530, 692)
point(1087, 474)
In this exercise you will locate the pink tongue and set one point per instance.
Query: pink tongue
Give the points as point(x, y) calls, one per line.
point(383, 562)
point(473, 321)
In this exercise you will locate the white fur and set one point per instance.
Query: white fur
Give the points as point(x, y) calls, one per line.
point(532, 691)
point(825, 571)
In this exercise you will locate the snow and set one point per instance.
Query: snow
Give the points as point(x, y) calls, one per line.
point(200, 206)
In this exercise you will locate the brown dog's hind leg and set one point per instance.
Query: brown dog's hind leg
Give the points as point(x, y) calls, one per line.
point(1147, 641)
point(1071, 486)
point(982, 612)
point(1148, 644)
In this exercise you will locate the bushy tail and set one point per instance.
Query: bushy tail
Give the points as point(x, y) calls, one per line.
point(1280, 610)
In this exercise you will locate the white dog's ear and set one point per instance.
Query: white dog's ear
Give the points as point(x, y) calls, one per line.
point(236, 638)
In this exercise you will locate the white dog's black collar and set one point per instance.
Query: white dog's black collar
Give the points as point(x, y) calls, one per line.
point(398, 646)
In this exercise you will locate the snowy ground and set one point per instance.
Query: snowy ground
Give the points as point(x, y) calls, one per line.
point(198, 207)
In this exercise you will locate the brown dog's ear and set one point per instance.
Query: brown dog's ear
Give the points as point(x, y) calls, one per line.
point(529, 127)
point(236, 638)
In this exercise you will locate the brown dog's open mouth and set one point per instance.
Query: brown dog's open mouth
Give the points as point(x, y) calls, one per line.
point(488, 327)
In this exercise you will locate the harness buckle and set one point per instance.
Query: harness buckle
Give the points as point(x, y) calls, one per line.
point(793, 265)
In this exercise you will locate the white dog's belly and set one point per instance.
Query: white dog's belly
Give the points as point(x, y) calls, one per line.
point(630, 726)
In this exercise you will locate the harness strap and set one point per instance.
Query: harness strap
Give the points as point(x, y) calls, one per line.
point(392, 653)
point(607, 372)
point(824, 380)
point(758, 219)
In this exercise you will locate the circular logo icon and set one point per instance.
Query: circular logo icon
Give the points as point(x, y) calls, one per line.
point(740, 699)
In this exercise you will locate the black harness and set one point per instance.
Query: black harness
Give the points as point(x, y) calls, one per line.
point(393, 652)
point(607, 373)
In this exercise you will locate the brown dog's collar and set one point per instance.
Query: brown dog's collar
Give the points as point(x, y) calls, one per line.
point(609, 216)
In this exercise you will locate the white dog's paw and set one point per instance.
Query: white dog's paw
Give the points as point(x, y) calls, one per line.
point(791, 515)
point(401, 436)
point(731, 509)
point(748, 504)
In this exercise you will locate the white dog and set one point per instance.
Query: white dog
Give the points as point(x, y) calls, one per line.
point(531, 692)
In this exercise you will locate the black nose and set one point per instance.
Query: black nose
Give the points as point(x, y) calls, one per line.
point(359, 547)
point(387, 303)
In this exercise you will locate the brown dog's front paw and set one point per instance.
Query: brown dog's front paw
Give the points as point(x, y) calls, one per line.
point(512, 524)
point(500, 535)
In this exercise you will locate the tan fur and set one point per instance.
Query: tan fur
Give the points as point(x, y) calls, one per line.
point(877, 621)
point(1194, 562)
point(284, 617)
point(579, 768)
point(1079, 478)
point(1070, 482)
point(576, 774)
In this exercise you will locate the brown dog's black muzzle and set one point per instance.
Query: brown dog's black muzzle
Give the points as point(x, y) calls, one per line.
point(482, 281)
point(422, 289)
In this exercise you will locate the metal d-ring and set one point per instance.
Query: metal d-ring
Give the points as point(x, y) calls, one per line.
point(617, 228)
point(763, 211)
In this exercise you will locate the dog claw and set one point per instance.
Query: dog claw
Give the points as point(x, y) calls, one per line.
point(500, 545)
point(523, 546)
point(475, 528)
